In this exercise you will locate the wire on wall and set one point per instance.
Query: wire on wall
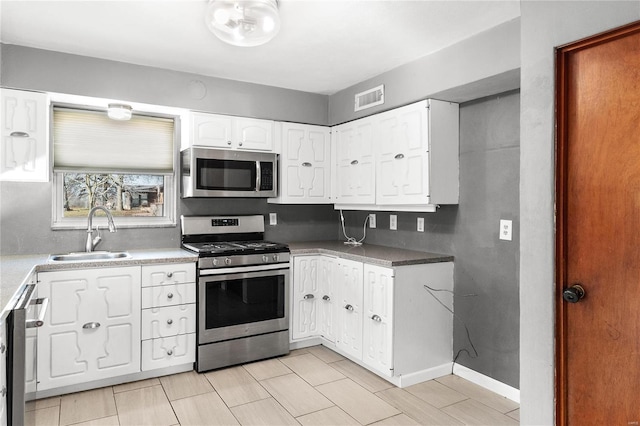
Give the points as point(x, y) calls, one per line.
point(431, 291)
point(350, 240)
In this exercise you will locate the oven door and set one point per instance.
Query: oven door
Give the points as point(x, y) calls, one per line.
point(241, 303)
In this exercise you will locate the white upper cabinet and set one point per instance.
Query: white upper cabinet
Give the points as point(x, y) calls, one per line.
point(305, 164)
point(402, 166)
point(405, 159)
point(355, 163)
point(24, 154)
point(223, 131)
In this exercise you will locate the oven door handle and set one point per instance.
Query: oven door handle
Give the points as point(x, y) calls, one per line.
point(243, 269)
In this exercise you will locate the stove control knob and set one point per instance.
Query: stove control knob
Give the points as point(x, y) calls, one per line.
point(227, 261)
point(265, 258)
point(276, 257)
point(215, 261)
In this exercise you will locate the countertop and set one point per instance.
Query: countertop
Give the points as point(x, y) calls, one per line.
point(377, 255)
point(19, 270)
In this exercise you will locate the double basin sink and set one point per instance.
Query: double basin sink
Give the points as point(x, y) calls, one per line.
point(88, 256)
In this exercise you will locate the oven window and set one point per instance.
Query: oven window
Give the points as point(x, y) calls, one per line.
point(245, 300)
point(226, 175)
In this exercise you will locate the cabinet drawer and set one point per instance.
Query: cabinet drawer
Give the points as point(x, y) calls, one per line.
point(164, 274)
point(168, 321)
point(168, 295)
point(168, 351)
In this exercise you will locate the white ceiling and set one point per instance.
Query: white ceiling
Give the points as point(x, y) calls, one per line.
point(323, 46)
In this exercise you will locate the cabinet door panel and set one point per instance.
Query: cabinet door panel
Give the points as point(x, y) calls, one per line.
point(24, 153)
point(401, 141)
point(355, 163)
point(168, 321)
point(350, 283)
point(66, 357)
point(327, 295)
point(168, 351)
point(211, 130)
point(168, 295)
point(305, 297)
point(254, 134)
point(168, 274)
point(120, 347)
point(378, 315)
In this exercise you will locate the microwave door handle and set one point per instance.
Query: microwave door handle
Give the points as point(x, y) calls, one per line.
point(258, 176)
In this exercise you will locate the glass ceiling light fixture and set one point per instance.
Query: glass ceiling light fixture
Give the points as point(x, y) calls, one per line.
point(243, 22)
point(120, 112)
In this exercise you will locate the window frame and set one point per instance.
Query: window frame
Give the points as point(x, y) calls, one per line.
point(169, 219)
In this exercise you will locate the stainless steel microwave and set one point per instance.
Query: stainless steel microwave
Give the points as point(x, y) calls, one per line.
point(211, 172)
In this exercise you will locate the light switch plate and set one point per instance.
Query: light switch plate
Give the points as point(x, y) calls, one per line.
point(372, 220)
point(273, 218)
point(393, 222)
point(420, 224)
point(506, 228)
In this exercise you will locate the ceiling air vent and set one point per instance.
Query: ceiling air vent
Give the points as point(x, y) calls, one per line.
point(369, 98)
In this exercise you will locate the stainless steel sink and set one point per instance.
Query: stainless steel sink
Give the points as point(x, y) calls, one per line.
point(93, 255)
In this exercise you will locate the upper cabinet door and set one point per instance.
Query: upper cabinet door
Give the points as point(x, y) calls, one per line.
point(253, 134)
point(211, 130)
point(355, 173)
point(402, 145)
point(24, 154)
point(305, 164)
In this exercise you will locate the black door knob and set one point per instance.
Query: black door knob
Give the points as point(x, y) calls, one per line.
point(573, 294)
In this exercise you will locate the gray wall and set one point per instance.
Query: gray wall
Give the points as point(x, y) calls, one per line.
point(546, 25)
point(484, 265)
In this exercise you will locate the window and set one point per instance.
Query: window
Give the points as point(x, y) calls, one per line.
point(125, 166)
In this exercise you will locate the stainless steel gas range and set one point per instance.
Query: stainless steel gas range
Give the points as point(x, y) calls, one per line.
point(243, 290)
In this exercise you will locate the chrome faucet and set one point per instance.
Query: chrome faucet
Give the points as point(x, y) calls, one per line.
point(93, 242)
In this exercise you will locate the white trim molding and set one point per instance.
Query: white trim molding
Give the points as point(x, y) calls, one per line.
point(487, 382)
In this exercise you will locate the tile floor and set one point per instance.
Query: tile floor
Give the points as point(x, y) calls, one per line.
point(312, 386)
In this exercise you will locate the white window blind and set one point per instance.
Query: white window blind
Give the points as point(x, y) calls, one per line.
point(90, 141)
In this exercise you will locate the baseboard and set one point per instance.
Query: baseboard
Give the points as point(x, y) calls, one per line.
point(487, 382)
point(305, 343)
point(405, 380)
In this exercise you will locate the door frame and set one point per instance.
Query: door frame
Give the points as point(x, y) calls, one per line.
point(561, 138)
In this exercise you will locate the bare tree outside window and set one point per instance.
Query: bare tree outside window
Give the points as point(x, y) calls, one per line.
point(122, 194)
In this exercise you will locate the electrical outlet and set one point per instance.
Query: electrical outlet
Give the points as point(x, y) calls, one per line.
point(372, 220)
point(393, 222)
point(505, 229)
point(273, 218)
point(420, 225)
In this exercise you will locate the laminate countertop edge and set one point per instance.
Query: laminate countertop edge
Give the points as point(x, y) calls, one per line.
point(368, 253)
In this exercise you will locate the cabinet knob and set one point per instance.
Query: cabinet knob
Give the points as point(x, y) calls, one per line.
point(306, 164)
point(170, 296)
point(2, 348)
point(228, 142)
point(91, 325)
point(19, 134)
point(376, 318)
point(169, 321)
point(326, 298)
point(308, 296)
point(3, 392)
point(399, 156)
point(349, 308)
point(354, 162)
point(170, 352)
point(240, 143)
point(169, 274)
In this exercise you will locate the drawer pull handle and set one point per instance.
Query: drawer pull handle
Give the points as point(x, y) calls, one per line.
point(308, 296)
point(91, 325)
point(349, 308)
point(354, 162)
point(169, 321)
point(306, 164)
point(170, 296)
point(19, 134)
point(170, 352)
point(399, 156)
point(326, 298)
point(169, 274)
point(376, 318)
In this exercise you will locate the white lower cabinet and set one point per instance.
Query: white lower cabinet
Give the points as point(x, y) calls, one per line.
point(385, 318)
point(314, 297)
point(168, 315)
point(92, 326)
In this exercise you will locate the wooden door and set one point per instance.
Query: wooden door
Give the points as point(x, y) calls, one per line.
point(211, 130)
point(327, 294)
point(350, 281)
point(253, 134)
point(355, 163)
point(598, 234)
point(377, 336)
point(305, 297)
